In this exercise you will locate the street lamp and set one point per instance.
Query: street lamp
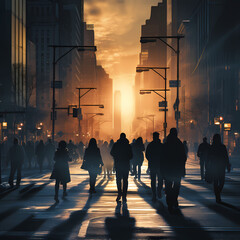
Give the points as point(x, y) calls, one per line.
point(55, 61)
point(177, 51)
point(145, 69)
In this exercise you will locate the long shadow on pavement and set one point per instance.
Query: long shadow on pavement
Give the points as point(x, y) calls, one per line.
point(230, 214)
point(122, 225)
point(67, 227)
point(183, 227)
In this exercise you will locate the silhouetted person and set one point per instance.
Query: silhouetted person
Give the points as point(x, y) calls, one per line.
point(173, 168)
point(81, 149)
point(16, 159)
point(93, 162)
point(72, 150)
point(40, 152)
point(218, 162)
point(107, 160)
point(29, 149)
point(202, 153)
point(195, 148)
point(185, 147)
point(138, 158)
point(61, 169)
point(154, 155)
point(122, 153)
point(49, 152)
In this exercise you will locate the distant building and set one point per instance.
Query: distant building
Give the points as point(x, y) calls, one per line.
point(117, 114)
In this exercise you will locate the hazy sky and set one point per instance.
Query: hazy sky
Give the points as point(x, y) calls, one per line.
point(117, 26)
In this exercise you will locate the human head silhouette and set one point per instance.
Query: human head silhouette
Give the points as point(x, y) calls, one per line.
point(15, 141)
point(204, 139)
point(62, 145)
point(92, 143)
point(173, 132)
point(216, 139)
point(122, 136)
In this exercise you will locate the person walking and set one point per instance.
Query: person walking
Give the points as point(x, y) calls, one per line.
point(138, 158)
point(92, 161)
point(122, 153)
point(61, 169)
point(29, 149)
point(40, 154)
point(202, 153)
point(218, 162)
point(107, 160)
point(49, 152)
point(154, 155)
point(173, 168)
point(16, 159)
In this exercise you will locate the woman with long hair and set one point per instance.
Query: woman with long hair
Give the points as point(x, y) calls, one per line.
point(92, 161)
point(217, 164)
point(61, 169)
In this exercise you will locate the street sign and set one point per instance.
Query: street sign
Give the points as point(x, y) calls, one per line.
point(58, 84)
point(177, 115)
point(162, 104)
point(162, 110)
point(227, 126)
point(173, 83)
point(75, 112)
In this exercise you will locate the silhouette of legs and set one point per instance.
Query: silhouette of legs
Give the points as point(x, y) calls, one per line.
point(218, 183)
point(172, 191)
point(156, 191)
point(93, 177)
point(56, 190)
point(122, 183)
point(12, 173)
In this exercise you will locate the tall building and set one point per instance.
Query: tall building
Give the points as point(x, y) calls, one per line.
point(210, 73)
point(152, 54)
point(117, 114)
point(13, 45)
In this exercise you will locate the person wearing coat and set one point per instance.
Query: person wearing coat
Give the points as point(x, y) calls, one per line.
point(138, 158)
point(61, 169)
point(217, 164)
point(154, 155)
point(92, 161)
point(40, 153)
point(173, 168)
point(16, 159)
point(202, 153)
point(122, 153)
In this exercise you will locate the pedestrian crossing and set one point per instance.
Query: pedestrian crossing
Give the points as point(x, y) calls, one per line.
point(30, 212)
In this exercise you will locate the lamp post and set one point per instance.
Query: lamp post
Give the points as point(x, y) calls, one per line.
point(177, 51)
point(55, 61)
point(145, 69)
point(79, 106)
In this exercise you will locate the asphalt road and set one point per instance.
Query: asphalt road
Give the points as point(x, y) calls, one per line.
point(30, 212)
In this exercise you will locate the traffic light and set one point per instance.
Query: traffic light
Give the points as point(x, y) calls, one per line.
point(75, 112)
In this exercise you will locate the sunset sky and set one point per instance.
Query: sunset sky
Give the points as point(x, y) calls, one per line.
point(117, 26)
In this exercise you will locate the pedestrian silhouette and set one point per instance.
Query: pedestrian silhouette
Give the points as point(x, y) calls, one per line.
point(173, 168)
point(107, 160)
point(185, 147)
point(122, 153)
point(202, 153)
point(61, 169)
point(154, 155)
point(16, 159)
point(218, 162)
point(40, 152)
point(81, 149)
point(92, 162)
point(49, 152)
point(138, 158)
point(29, 149)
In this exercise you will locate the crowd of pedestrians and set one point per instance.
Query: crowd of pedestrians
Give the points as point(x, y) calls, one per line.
point(166, 163)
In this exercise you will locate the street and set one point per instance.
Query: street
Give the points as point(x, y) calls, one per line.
point(30, 211)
